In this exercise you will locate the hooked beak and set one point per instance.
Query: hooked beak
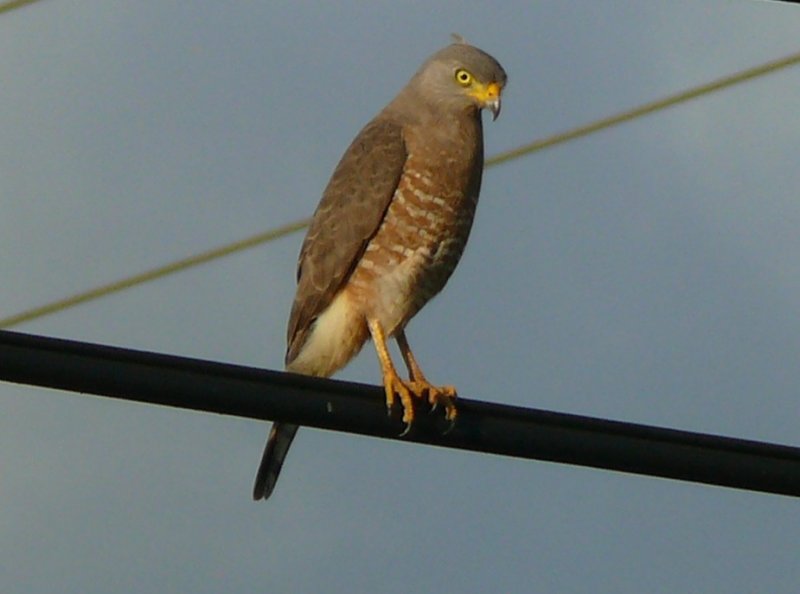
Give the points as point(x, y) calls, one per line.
point(494, 106)
point(492, 99)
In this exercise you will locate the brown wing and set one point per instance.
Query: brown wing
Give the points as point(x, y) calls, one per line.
point(349, 214)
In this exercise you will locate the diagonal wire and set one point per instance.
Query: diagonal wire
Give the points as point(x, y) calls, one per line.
point(646, 108)
point(153, 273)
point(8, 6)
point(504, 157)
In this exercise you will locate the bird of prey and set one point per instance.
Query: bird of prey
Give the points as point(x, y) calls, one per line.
point(388, 232)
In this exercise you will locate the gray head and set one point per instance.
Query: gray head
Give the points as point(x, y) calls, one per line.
point(461, 76)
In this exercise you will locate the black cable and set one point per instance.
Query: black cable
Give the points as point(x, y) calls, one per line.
point(358, 408)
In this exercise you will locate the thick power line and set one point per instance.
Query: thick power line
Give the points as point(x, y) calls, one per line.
point(358, 408)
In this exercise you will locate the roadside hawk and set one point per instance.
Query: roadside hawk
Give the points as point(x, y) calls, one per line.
point(389, 231)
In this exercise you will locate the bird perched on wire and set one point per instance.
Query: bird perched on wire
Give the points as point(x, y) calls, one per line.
point(390, 228)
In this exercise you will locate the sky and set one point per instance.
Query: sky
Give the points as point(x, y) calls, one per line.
point(648, 273)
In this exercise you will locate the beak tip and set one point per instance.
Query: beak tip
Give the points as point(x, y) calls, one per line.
point(494, 106)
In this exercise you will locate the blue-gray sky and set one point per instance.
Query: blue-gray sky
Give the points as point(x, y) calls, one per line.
point(649, 273)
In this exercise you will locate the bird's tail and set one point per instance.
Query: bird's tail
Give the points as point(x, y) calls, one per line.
point(278, 442)
point(319, 350)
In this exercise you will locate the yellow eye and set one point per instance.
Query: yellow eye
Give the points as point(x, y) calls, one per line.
point(463, 77)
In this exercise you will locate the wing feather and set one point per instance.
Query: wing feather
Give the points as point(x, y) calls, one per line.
point(349, 214)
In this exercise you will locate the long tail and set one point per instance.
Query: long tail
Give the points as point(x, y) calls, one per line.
point(278, 442)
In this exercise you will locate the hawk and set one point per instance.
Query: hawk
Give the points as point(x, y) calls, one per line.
point(390, 228)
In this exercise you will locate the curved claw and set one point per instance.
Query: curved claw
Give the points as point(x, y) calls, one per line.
point(436, 395)
point(406, 430)
point(446, 395)
point(397, 388)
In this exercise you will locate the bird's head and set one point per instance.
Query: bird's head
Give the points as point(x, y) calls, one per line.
point(463, 75)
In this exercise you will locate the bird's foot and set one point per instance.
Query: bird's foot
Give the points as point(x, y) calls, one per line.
point(395, 387)
point(406, 391)
point(438, 395)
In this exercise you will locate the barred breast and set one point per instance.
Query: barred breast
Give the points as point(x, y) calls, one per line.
point(421, 238)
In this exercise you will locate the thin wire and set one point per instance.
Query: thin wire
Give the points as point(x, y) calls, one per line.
point(504, 157)
point(645, 109)
point(153, 274)
point(7, 6)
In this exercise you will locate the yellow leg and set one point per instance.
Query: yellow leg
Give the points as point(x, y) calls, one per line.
point(444, 395)
point(392, 383)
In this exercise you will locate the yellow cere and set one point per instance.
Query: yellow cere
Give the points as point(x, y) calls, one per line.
point(485, 93)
